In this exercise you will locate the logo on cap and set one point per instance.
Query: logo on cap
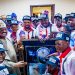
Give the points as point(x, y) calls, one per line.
point(59, 35)
point(52, 60)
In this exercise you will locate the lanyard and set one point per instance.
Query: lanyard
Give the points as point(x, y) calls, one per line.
point(28, 35)
point(46, 32)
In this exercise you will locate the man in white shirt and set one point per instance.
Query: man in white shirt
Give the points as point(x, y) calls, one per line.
point(26, 32)
point(44, 29)
point(67, 56)
point(10, 58)
point(57, 23)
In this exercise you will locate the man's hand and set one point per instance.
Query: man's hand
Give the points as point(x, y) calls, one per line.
point(20, 64)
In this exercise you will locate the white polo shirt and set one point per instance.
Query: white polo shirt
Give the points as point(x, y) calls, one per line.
point(23, 33)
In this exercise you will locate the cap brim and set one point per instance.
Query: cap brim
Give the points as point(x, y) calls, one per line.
point(50, 63)
point(59, 39)
point(2, 49)
point(14, 24)
point(26, 19)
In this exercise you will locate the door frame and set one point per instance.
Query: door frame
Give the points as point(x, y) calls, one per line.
point(49, 5)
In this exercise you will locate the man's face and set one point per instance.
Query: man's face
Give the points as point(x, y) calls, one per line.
point(3, 32)
point(58, 22)
point(2, 56)
point(61, 45)
point(35, 23)
point(73, 24)
point(14, 28)
point(63, 29)
point(26, 24)
point(44, 22)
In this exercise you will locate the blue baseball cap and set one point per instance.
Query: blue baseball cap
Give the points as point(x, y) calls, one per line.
point(8, 17)
point(62, 36)
point(34, 19)
point(43, 16)
point(53, 61)
point(2, 49)
point(72, 15)
point(26, 18)
point(58, 15)
point(14, 22)
point(13, 15)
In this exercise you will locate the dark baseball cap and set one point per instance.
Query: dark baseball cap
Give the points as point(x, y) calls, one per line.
point(26, 18)
point(62, 36)
point(53, 61)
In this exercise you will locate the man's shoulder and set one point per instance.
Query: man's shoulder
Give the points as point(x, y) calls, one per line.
point(72, 54)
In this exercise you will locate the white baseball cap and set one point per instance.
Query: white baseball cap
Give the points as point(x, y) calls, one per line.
point(2, 24)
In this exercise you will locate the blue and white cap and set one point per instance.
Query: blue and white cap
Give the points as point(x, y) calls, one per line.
point(58, 15)
point(44, 16)
point(26, 18)
point(62, 36)
point(53, 61)
point(14, 22)
point(72, 15)
point(34, 18)
point(8, 17)
point(13, 15)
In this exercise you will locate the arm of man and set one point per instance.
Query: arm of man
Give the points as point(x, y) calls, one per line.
point(14, 65)
point(72, 66)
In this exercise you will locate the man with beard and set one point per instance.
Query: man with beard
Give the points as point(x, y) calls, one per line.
point(57, 23)
point(72, 26)
point(10, 58)
point(71, 21)
point(44, 29)
point(6, 41)
point(35, 22)
point(26, 32)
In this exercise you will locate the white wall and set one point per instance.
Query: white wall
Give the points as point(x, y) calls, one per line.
point(22, 7)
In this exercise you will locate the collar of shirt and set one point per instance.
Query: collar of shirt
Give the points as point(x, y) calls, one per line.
point(28, 30)
point(13, 34)
point(64, 53)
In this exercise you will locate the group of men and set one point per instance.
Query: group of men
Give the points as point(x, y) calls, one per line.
point(14, 32)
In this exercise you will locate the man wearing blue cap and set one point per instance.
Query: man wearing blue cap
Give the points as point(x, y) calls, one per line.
point(53, 65)
point(71, 21)
point(10, 57)
point(67, 57)
point(57, 23)
point(35, 22)
point(44, 29)
point(8, 23)
point(26, 32)
point(14, 27)
point(3, 68)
